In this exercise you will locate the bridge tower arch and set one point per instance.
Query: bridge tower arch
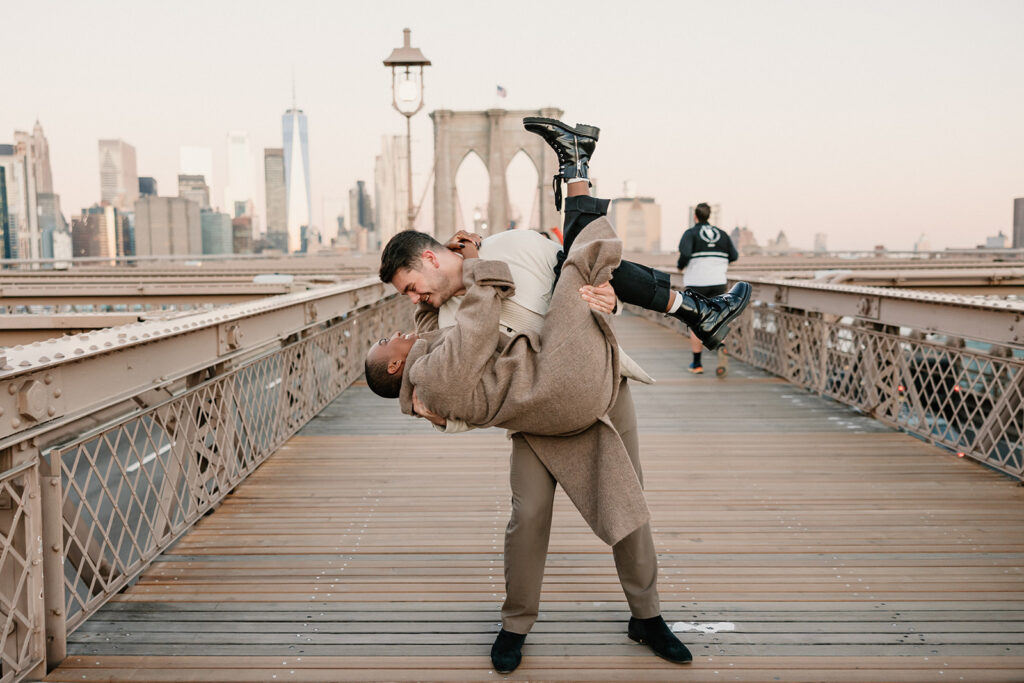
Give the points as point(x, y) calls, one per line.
point(495, 135)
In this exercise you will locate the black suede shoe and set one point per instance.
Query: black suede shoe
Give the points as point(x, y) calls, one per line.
point(709, 317)
point(655, 634)
point(507, 651)
point(574, 147)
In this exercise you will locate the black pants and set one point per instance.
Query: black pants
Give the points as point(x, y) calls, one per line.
point(633, 283)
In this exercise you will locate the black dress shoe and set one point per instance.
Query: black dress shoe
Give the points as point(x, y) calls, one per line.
point(507, 651)
point(573, 146)
point(655, 634)
point(709, 317)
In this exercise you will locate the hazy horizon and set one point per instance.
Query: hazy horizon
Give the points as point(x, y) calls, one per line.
point(872, 122)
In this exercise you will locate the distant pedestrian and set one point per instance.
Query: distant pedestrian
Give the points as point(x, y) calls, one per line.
point(705, 253)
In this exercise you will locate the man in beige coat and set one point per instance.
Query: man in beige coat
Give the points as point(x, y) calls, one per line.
point(560, 382)
point(432, 276)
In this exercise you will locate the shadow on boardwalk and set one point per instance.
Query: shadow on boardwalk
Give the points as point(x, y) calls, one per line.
point(798, 541)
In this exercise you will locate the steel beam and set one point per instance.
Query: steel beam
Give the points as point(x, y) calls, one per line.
point(993, 321)
point(46, 383)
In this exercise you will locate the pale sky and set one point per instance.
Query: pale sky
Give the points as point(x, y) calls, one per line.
point(872, 122)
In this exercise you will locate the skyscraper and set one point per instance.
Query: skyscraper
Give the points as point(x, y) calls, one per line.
point(1018, 223)
point(241, 234)
point(9, 200)
point(147, 187)
point(637, 220)
point(239, 187)
point(296, 174)
point(195, 161)
point(194, 187)
point(100, 231)
point(119, 180)
point(41, 154)
point(360, 212)
point(27, 175)
point(745, 242)
point(23, 215)
point(51, 223)
point(820, 243)
point(218, 236)
point(7, 248)
point(167, 225)
point(277, 197)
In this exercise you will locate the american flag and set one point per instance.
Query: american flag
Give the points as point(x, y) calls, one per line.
point(502, 92)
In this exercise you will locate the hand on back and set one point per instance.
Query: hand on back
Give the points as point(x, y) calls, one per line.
point(601, 298)
point(466, 244)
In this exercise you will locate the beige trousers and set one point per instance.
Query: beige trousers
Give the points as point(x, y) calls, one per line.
point(526, 537)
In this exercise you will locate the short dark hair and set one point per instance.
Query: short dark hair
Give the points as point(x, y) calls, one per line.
point(403, 251)
point(380, 381)
point(702, 212)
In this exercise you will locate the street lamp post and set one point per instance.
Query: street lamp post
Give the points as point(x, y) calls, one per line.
point(407, 64)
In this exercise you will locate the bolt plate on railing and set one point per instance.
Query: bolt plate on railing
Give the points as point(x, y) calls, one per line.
point(868, 307)
point(31, 400)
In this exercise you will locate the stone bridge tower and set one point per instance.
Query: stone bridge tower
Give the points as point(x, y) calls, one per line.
point(496, 135)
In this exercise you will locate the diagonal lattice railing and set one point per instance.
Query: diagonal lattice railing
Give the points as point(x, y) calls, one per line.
point(132, 488)
point(97, 492)
point(965, 393)
point(967, 400)
point(22, 646)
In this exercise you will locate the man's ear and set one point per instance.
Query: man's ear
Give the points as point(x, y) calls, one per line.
point(395, 365)
point(430, 257)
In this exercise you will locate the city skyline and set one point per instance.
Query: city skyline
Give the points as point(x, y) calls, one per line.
point(872, 123)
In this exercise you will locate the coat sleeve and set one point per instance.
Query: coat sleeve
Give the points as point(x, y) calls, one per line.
point(455, 425)
point(425, 318)
point(458, 362)
point(685, 249)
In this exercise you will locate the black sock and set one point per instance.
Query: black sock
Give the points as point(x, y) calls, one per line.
point(696, 358)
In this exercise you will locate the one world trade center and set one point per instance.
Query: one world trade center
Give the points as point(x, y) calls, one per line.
point(296, 175)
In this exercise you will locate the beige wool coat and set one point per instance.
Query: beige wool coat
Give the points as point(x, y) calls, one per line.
point(554, 387)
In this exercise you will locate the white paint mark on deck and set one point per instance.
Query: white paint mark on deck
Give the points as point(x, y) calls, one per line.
point(703, 628)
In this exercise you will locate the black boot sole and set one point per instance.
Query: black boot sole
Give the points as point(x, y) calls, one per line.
point(722, 331)
point(640, 640)
point(504, 671)
point(581, 130)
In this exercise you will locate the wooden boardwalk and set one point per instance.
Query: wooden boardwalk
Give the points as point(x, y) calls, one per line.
point(798, 541)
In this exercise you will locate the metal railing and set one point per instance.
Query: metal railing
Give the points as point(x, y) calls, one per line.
point(22, 642)
point(948, 369)
point(106, 465)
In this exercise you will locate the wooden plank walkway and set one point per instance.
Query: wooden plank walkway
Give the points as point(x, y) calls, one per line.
point(798, 541)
